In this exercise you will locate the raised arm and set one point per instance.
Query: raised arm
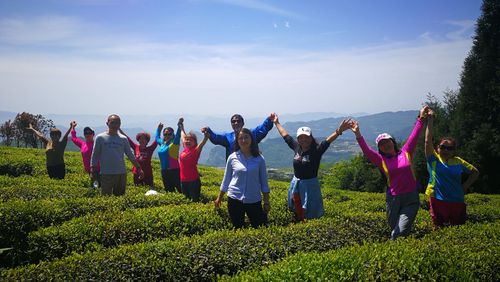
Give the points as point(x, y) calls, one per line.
point(203, 142)
point(344, 125)
point(262, 130)
point(411, 143)
point(282, 131)
point(429, 143)
point(37, 133)
point(130, 141)
point(371, 154)
point(65, 137)
point(158, 133)
point(180, 127)
point(77, 141)
point(216, 138)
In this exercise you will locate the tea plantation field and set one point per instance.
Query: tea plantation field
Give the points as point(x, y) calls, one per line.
point(60, 230)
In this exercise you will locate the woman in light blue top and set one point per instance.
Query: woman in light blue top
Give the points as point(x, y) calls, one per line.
point(245, 179)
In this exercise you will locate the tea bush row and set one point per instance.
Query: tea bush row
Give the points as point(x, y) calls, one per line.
point(21, 217)
point(201, 258)
point(467, 253)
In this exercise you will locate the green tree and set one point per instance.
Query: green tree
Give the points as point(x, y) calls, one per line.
point(475, 121)
point(39, 122)
point(7, 132)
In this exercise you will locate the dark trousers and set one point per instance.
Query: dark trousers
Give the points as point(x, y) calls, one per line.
point(171, 179)
point(57, 171)
point(192, 189)
point(254, 211)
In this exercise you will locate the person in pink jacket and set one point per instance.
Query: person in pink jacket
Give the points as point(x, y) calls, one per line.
point(85, 146)
point(402, 201)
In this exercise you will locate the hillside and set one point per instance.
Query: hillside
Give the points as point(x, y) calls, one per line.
point(63, 231)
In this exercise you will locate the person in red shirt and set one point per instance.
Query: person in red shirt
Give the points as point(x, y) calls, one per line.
point(188, 164)
point(143, 154)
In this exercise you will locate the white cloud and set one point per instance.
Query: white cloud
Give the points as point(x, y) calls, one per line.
point(465, 28)
point(287, 24)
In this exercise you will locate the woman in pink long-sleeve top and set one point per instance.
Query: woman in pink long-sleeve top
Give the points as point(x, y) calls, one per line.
point(402, 199)
point(86, 146)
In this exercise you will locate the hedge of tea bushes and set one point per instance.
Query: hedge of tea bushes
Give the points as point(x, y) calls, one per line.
point(112, 228)
point(203, 257)
point(21, 217)
point(466, 253)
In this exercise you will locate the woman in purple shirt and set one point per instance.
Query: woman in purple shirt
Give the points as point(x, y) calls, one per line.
point(245, 178)
point(402, 199)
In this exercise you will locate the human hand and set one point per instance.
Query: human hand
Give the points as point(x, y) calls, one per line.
point(160, 125)
point(274, 118)
point(267, 207)
point(72, 124)
point(204, 129)
point(355, 126)
point(345, 124)
point(424, 111)
point(180, 123)
point(217, 202)
point(140, 174)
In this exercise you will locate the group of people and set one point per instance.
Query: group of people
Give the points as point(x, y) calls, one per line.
point(245, 177)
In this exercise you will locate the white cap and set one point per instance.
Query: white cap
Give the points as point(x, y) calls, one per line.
point(382, 136)
point(304, 131)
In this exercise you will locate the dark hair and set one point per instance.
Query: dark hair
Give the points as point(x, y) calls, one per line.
point(237, 116)
point(168, 129)
point(447, 138)
point(145, 134)
point(396, 149)
point(314, 143)
point(254, 147)
point(88, 129)
point(55, 131)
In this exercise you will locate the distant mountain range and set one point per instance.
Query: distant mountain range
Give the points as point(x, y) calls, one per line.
point(277, 154)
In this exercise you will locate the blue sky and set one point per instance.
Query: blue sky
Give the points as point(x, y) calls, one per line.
point(218, 57)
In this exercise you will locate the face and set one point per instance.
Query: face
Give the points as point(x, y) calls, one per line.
point(304, 141)
point(237, 124)
point(446, 149)
point(89, 136)
point(386, 146)
point(244, 140)
point(168, 134)
point(143, 141)
point(114, 122)
point(189, 141)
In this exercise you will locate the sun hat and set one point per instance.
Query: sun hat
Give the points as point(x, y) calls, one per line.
point(382, 136)
point(304, 131)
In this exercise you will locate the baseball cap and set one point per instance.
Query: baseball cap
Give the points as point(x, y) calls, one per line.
point(382, 136)
point(304, 131)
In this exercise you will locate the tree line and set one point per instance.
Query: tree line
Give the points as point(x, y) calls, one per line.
point(14, 132)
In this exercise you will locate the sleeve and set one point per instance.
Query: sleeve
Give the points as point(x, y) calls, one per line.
point(261, 131)
point(373, 156)
point(228, 174)
point(131, 142)
point(466, 167)
point(264, 183)
point(218, 139)
point(291, 142)
point(96, 151)
point(177, 138)
point(158, 136)
point(128, 150)
point(411, 143)
point(323, 146)
point(75, 139)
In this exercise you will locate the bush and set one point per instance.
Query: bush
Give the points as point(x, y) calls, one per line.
point(466, 253)
point(21, 217)
point(206, 256)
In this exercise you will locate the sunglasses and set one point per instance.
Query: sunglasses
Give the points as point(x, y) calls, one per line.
point(447, 148)
point(235, 121)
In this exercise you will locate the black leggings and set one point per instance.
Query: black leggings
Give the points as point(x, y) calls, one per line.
point(171, 179)
point(254, 211)
point(57, 171)
point(192, 189)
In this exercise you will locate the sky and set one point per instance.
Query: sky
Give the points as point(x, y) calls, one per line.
point(219, 57)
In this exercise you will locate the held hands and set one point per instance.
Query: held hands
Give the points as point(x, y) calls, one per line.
point(355, 128)
point(180, 123)
point(160, 126)
point(274, 118)
point(344, 125)
point(204, 130)
point(424, 112)
point(72, 124)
